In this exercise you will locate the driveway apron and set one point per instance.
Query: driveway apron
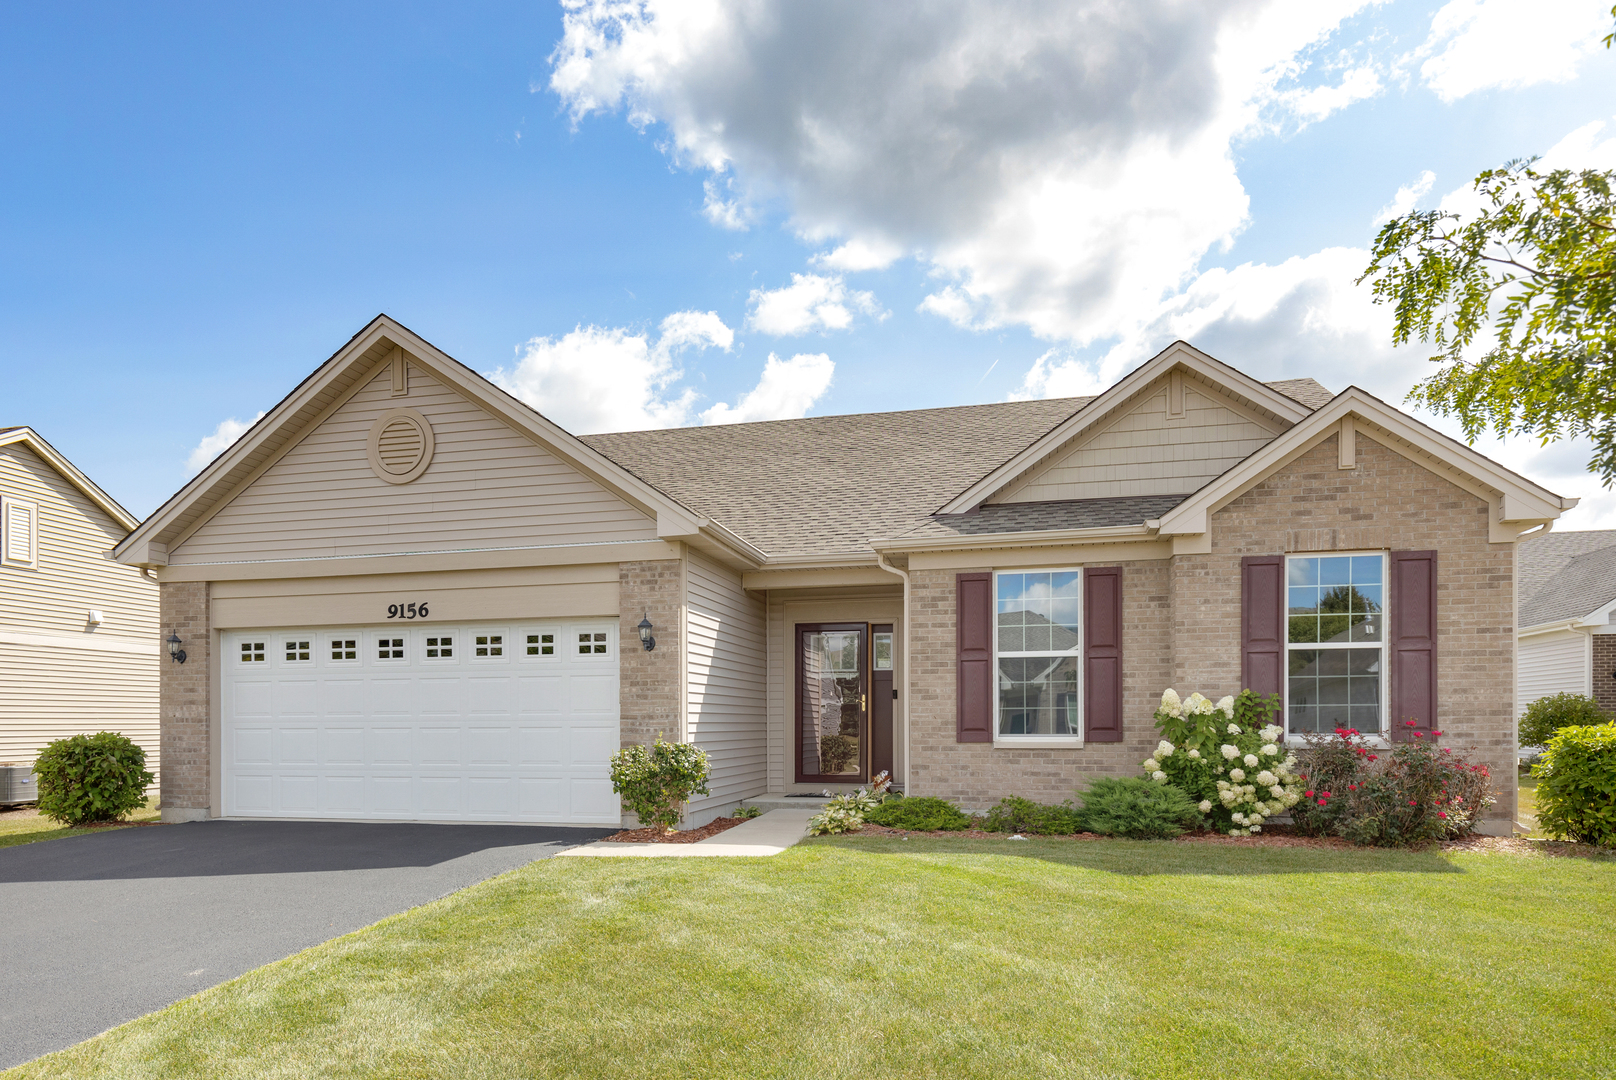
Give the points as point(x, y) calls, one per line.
point(97, 930)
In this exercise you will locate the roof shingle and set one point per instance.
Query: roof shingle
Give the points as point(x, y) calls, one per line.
point(1566, 575)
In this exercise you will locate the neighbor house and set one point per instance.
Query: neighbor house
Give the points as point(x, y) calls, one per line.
point(406, 595)
point(78, 631)
point(1567, 617)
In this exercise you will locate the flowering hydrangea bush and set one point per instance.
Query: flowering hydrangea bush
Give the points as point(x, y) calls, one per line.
point(1226, 756)
point(1413, 792)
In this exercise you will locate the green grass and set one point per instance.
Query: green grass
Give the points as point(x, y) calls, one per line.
point(865, 957)
point(28, 827)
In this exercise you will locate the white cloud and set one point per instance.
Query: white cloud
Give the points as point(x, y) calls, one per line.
point(1407, 197)
point(610, 379)
point(810, 302)
point(787, 391)
point(1508, 44)
point(1060, 165)
point(224, 436)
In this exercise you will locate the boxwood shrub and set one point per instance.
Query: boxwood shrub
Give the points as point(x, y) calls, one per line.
point(91, 778)
point(1576, 786)
point(1018, 815)
point(923, 813)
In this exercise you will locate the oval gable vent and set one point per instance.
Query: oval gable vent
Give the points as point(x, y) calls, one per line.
point(400, 446)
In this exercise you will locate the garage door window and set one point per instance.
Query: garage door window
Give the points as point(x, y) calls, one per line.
point(390, 648)
point(345, 650)
point(252, 652)
point(592, 644)
point(440, 647)
point(488, 646)
point(298, 652)
point(540, 644)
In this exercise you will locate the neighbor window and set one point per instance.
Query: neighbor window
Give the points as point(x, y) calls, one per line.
point(1336, 667)
point(1038, 620)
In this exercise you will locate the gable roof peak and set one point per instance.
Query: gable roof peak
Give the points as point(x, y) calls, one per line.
point(27, 436)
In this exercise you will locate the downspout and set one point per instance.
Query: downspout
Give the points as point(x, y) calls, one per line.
point(908, 763)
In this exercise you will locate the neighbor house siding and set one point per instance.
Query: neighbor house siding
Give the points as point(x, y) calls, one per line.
point(487, 486)
point(59, 675)
point(1554, 663)
point(724, 685)
point(1144, 452)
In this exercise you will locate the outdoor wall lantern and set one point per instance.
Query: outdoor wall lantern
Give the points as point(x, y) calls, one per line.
point(175, 653)
point(645, 633)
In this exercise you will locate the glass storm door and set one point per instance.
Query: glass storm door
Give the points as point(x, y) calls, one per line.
point(833, 727)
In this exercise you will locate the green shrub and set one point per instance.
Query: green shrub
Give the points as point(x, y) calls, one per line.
point(656, 781)
point(1137, 808)
point(1576, 787)
point(1018, 815)
point(1549, 714)
point(747, 813)
point(924, 813)
point(835, 818)
point(88, 778)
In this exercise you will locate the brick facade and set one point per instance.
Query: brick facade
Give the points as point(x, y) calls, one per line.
point(1604, 682)
point(1182, 624)
point(650, 684)
point(185, 696)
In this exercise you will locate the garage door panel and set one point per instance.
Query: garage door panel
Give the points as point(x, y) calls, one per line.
point(351, 733)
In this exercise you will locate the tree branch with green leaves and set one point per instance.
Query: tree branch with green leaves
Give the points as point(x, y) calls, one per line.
point(1537, 265)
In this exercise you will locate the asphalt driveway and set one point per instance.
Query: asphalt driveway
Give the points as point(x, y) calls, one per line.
point(96, 930)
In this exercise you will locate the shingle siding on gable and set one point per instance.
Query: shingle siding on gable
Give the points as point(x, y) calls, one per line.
point(487, 486)
point(1142, 452)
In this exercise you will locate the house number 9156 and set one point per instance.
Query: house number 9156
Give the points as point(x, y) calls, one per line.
point(407, 611)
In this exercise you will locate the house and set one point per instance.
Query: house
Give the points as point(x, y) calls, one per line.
point(1567, 622)
point(78, 631)
point(406, 595)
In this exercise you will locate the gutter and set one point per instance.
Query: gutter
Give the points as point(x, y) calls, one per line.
point(908, 763)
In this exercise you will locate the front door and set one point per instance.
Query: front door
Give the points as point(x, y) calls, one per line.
point(843, 735)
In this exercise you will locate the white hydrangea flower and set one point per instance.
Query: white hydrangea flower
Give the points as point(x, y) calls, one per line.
point(1150, 764)
point(1250, 760)
point(1159, 776)
point(1205, 805)
point(1170, 699)
point(1236, 832)
point(1237, 775)
point(1277, 791)
point(1271, 732)
point(1234, 729)
point(1223, 785)
point(1164, 749)
point(1229, 752)
point(1254, 830)
point(1290, 761)
point(1267, 779)
point(1237, 816)
point(1226, 797)
point(1255, 819)
point(1195, 755)
point(1269, 750)
point(1226, 705)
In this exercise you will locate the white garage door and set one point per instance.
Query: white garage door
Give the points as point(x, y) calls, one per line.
point(423, 723)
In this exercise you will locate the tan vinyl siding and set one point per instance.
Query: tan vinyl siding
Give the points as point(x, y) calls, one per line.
point(725, 684)
point(72, 573)
point(1551, 664)
point(487, 487)
point(1143, 452)
point(50, 692)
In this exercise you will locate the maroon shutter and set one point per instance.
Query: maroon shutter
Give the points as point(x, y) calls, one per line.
point(1102, 654)
point(1411, 640)
point(1262, 626)
point(973, 628)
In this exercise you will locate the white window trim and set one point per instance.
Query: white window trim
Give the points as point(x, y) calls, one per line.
point(456, 645)
point(6, 503)
point(1025, 742)
point(504, 645)
point(1380, 739)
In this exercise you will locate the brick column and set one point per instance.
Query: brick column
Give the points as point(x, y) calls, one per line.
point(185, 695)
point(1604, 683)
point(650, 681)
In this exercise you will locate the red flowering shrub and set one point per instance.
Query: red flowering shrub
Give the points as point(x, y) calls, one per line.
point(1413, 792)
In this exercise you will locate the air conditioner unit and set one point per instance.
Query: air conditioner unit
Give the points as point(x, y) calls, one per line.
point(17, 784)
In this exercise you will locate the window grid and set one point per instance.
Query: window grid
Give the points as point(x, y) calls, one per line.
point(253, 652)
point(440, 647)
point(1037, 642)
point(390, 648)
point(489, 645)
point(1335, 670)
point(541, 644)
point(592, 644)
point(298, 652)
point(343, 649)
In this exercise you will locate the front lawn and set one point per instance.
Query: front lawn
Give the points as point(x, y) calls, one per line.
point(861, 957)
point(27, 825)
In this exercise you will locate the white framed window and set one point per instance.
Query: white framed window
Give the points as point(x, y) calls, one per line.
point(254, 652)
point(1335, 663)
point(595, 642)
point(440, 645)
point(1037, 655)
point(540, 643)
point(19, 532)
point(297, 649)
point(343, 648)
point(489, 645)
point(390, 648)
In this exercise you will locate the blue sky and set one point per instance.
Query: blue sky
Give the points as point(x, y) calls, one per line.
point(608, 205)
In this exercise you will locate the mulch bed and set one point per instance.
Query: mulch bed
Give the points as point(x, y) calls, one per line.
point(1281, 836)
point(684, 836)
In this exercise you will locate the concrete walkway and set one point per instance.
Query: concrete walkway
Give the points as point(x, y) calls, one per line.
point(769, 834)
